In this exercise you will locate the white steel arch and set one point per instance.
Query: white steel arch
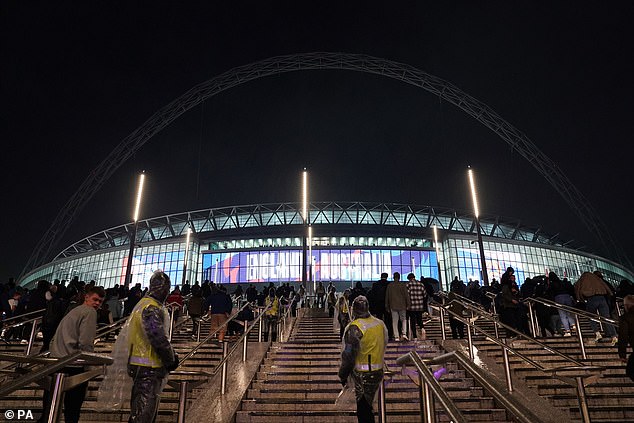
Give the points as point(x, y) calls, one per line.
point(323, 61)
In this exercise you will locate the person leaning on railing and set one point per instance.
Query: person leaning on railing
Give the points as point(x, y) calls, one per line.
point(626, 334)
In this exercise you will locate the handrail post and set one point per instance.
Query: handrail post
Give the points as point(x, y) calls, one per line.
point(31, 337)
point(182, 401)
point(534, 328)
point(56, 394)
point(278, 328)
point(260, 321)
point(470, 339)
point(507, 367)
point(442, 323)
point(200, 323)
point(244, 342)
point(496, 321)
point(171, 323)
point(382, 412)
point(223, 376)
point(472, 319)
point(580, 337)
point(429, 415)
point(583, 401)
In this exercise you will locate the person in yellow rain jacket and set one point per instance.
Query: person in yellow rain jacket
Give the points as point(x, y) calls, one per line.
point(151, 356)
point(271, 316)
point(342, 312)
point(362, 356)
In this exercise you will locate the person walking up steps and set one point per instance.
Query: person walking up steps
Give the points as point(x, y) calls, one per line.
point(397, 302)
point(362, 357)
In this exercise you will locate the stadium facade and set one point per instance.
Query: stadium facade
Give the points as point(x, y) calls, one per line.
point(350, 242)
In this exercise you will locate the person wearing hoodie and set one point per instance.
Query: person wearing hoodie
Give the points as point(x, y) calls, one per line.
point(151, 356)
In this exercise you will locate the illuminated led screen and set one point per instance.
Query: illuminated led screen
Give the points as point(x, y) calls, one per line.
point(328, 265)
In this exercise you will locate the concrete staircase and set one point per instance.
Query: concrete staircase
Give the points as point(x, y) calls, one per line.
point(610, 398)
point(298, 382)
point(205, 359)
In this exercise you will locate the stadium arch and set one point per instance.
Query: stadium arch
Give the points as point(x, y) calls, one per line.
point(323, 61)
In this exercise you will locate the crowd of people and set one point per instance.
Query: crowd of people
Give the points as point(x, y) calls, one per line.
point(589, 293)
point(73, 312)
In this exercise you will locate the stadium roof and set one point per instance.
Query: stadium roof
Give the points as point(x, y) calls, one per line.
point(215, 222)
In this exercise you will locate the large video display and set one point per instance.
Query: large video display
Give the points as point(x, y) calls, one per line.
point(327, 265)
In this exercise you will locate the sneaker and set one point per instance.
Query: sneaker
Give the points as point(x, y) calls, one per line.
point(405, 338)
point(24, 341)
point(614, 340)
point(597, 336)
point(567, 333)
point(396, 339)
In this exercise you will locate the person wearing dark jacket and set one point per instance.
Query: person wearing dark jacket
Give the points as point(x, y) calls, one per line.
point(563, 293)
point(218, 306)
point(195, 309)
point(626, 335)
point(457, 327)
point(54, 313)
point(252, 294)
point(624, 289)
point(377, 304)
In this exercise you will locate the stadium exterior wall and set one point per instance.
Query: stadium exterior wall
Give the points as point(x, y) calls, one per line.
point(351, 242)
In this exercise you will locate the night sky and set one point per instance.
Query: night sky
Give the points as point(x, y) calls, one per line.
point(77, 77)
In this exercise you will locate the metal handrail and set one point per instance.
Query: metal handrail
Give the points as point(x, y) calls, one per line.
point(222, 365)
point(429, 384)
point(510, 403)
point(509, 328)
point(241, 339)
point(462, 298)
point(576, 312)
point(590, 316)
point(21, 316)
point(208, 337)
point(78, 358)
point(580, 370)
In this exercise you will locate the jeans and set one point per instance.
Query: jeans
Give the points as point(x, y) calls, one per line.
point(415, 321)
point(566, 319)
point(598, 303)
point(396, 316)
